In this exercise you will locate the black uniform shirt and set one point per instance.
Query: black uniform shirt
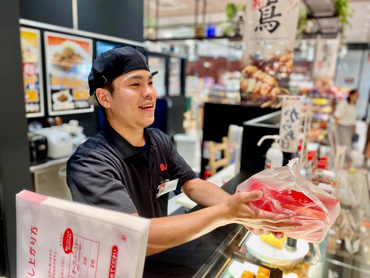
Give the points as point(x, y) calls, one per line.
point(107, 171)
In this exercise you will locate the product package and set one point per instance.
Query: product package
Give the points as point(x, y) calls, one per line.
point(58, 238)
point(285, 191)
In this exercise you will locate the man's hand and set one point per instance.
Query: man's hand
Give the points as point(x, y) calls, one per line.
point(259, 221)
point(167, 232)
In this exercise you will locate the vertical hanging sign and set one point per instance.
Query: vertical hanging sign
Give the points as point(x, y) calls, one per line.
point(290, 124)
point(326, 59)
point(269, 37)
point(32, 72)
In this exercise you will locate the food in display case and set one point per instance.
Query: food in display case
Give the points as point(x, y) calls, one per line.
point(273, 241)
point(246, 270)
point(299, 270)
point(277, 256)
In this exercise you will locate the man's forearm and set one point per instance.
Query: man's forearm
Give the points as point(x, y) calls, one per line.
point(167, 232)
point(204, 193)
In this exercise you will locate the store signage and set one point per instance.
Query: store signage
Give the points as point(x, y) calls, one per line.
point(290, 124)
point(68, 63)
point(326, 58)
point(269, 36)
point(32, 72)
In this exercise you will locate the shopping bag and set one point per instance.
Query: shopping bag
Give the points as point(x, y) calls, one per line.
point(285, 191)
point(58, 238)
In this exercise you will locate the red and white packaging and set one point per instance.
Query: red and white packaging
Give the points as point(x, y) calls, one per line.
point(58, 238)
point(285, 191)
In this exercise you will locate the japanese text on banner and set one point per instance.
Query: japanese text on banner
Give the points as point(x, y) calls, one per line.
point(290, 124)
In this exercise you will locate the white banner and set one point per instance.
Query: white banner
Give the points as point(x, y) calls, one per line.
point(326, 58)
point(269, 36)
point(290, 124)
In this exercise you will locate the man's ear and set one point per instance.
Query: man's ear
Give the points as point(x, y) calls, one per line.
point(102, 95)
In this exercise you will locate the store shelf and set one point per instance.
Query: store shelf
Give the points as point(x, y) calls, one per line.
point(235, 38)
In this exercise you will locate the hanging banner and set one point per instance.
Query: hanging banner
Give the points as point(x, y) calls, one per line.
point(68, 64)
point(32, 72)
point(326, 59)
point(269, 37)
point(290, 124)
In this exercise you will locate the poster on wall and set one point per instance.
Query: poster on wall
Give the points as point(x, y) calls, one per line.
point(269, 37)
point(158, 64)
point(68, 63)
point(32, 72)
point(174, 77)
point(326, 59)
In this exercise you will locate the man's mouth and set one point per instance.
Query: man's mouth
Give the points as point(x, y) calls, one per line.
point(146, 106)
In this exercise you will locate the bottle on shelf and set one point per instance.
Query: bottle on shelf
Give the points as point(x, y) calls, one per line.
point(274, 155)
point(207, 172)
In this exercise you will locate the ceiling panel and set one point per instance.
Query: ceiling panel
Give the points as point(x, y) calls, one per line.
point(182, 11)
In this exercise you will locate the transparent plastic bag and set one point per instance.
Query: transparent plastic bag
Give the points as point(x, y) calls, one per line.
point(285, 191)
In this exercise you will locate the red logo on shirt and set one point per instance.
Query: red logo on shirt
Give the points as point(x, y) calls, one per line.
point(163, 167)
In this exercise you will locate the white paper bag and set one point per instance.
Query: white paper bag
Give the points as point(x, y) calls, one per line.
point(58, 238)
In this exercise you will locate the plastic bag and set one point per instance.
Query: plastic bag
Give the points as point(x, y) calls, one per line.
point(58, 238)
point(285, 191)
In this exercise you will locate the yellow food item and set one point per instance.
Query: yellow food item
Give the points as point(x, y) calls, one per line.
point(248, 274)
point(272, 240)
point(262, 275)
point(262, 270)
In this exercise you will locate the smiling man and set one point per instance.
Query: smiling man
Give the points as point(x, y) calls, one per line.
point(131, 168)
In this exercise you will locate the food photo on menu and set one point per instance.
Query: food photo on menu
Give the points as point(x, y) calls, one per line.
point(68, 63)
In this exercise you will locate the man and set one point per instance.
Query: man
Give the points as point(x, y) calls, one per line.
point(131, 168)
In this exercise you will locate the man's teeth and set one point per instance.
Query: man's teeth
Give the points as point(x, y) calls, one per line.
point(147, 106)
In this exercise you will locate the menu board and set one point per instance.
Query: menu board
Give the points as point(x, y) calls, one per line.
point(175, 77)
point(267, 61)
point(32, 72)
point(158, 64)
point(68, 64)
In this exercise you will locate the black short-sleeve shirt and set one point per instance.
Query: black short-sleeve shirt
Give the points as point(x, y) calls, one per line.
point(107, 171)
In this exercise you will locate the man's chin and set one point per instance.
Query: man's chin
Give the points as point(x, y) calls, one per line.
point(149, 122)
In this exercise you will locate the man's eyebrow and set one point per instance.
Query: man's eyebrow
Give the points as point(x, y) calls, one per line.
point(137, 77)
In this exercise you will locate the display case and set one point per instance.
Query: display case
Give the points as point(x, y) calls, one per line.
point(243, 255)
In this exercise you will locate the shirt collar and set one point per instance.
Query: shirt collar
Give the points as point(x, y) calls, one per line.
point(121, 145)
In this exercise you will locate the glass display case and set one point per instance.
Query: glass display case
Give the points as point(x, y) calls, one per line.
point(345, 252)
point(243, 255)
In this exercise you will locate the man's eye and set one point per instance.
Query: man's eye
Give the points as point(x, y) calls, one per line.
point(151, 83)
point(135, 84)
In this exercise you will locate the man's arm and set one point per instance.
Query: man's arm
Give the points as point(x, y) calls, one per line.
point(204, 193)
point(167, 232)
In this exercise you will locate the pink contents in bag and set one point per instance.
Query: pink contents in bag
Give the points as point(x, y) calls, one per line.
point(285, 191)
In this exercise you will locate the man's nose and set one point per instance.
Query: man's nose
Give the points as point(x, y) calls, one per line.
point(149, 92)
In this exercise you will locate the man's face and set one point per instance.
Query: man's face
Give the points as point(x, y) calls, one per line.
point(133, 101)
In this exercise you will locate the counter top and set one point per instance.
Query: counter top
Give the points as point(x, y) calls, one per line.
point(48, 164)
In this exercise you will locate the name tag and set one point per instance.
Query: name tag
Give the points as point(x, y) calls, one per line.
point(166, 187)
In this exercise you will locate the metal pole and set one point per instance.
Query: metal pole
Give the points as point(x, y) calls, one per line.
point(157, 19)
point(196, 13)
point(367, 108)
point(204, 11)
point(360, 77)
point(147, 22)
